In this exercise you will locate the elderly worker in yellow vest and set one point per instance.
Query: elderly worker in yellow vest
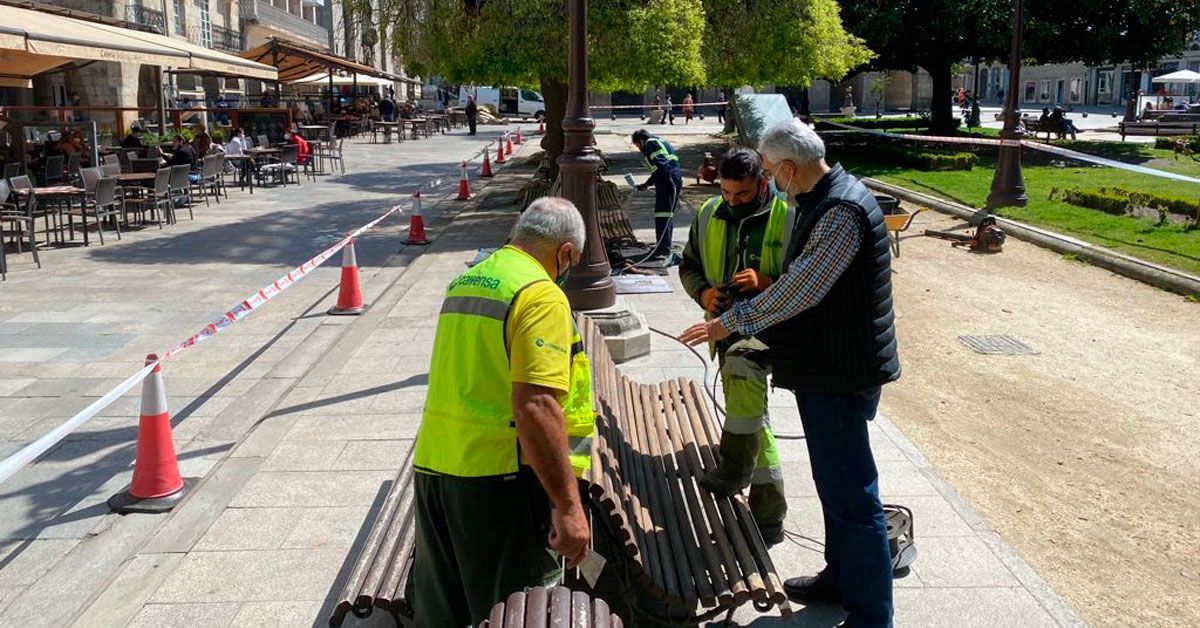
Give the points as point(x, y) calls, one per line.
point(506, 429)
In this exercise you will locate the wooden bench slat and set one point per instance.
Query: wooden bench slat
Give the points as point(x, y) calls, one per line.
point(515, 610)
point(537, 602)
point(395, 572)
point(560, 608)
point(638, 493)
point(386, 552)
point(581, 609)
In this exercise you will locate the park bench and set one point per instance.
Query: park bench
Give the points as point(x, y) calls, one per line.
point(1158, 128)
point(689, 550)
point(559, 606)
point(1050, 128)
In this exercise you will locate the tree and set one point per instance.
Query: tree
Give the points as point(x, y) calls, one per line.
point(631, 44)
point(933, 35)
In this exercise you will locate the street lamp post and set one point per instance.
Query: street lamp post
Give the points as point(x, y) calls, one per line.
point(590, 286)
point(1008, 185)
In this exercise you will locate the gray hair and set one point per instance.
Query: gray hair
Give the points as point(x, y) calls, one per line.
point(792, 140)
point(549, 221)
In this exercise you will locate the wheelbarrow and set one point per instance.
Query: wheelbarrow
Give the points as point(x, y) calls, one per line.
point(896, 218)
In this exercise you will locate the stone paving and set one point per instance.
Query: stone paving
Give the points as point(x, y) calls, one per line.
point(310, 417)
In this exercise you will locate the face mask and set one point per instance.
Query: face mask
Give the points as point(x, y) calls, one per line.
point(782, 190)
point(562, 275)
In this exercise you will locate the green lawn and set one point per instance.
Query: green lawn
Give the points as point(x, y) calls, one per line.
point(1169, 245)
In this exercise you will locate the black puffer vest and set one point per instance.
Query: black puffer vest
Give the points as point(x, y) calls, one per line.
point(847, 342)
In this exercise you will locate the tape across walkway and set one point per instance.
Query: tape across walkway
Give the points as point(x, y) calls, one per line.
point(1046, 148)
point(15, 462)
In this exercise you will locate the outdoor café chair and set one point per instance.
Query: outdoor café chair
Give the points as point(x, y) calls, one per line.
point(52, 171)
point(13, 169)
point(73, 165)
point(181, 187)
point(144, 164)
point(18, 214)
point(99, 204)
point(157, 201)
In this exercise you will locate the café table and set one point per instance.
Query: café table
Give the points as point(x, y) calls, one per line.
point(58, 193)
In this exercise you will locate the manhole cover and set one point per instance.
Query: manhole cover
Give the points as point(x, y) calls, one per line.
point(996, 344)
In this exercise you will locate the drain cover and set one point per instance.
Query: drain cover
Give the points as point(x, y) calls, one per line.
point(998, 344)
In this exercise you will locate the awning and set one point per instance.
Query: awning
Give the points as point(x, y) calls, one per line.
point(1182, 76)
point(360, 79)
point(32, 42)
point(296, 62)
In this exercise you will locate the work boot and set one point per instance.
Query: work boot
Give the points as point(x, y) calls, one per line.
point(772, 533)
point(818, 588)
point(738, 455)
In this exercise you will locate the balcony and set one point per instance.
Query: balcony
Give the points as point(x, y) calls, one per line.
point(149, 19)
point(285, 25)
point(227, 40)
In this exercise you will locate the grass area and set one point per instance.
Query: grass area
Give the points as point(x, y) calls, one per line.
point(1170, 245)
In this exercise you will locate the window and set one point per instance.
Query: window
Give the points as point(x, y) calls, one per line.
point(1030, 91)
point(205, 25)
point(530, 96)
point(1104, 81)
point(178, 6)
point(1044, 90)
point(1076, 92)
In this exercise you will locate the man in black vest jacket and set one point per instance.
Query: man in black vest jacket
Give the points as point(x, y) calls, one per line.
point(828, 320)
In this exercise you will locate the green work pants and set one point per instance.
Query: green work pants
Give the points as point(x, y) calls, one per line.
point(478, 540)
point(748, 442)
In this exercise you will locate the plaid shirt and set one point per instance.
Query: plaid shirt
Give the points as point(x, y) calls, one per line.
point(830, 249)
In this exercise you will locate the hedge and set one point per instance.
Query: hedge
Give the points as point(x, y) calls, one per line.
point(1118, 200)
point(1168, 143)
point(911, 157)
point(906, 123)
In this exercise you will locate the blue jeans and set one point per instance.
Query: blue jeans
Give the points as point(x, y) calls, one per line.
point(843, 469)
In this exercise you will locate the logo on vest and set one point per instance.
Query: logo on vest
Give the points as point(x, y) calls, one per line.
point(541, 343)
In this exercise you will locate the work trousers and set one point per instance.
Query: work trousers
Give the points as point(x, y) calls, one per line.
point(744, 373)
point(856, 543)
point(478, 540)
point(472, 122)
point(666, 197)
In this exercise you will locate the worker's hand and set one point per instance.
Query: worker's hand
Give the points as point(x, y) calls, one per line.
point(749, 280)
point(700, 333)
point(569, 533)
point(642, 187)
point(711, 298)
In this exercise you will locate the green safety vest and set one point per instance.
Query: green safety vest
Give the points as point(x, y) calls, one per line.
point(714, 236)
point(468, 428)
point(661, 151)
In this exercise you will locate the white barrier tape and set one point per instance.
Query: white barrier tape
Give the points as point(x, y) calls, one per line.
point(1039, 146)
point(27, 454)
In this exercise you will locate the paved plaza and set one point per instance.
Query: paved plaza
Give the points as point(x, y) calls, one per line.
point(296, 422)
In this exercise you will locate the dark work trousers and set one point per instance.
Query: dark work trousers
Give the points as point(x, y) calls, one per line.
point(843, 469)
point(666, 197)
point(478, 540)
point(472, 121)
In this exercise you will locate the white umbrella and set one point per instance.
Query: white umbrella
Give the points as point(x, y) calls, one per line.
point(1182, 76)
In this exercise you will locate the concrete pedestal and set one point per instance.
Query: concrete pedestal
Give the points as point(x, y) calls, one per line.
point(625, 330)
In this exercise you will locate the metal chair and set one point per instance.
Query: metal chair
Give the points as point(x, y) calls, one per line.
point(52, 170)
point(89, 177)
point(111, 165)
point(13, 169)
point(144, 165)
point(22, 218)
point(73, 165)
point(124, 157)
point(157, 200)
point(261, 140)
point(101, 204)
point(180, 187)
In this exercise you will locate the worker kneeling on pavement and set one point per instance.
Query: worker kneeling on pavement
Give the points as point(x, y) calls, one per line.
point(506, 429)
point(734, 251)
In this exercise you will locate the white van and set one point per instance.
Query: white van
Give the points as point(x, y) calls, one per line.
point(508, 101)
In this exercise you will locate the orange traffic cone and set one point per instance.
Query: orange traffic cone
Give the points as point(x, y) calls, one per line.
point(507, 144)
point(157, 485)
point(520, 140)
point(464, 186)
point(416, 223)
point(486, 170)
point(500, 149)
point(350, 299)
point(541, 128)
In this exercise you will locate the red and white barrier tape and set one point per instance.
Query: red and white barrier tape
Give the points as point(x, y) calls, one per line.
point(653, 106)
point(14, 463)
point(1039, 146)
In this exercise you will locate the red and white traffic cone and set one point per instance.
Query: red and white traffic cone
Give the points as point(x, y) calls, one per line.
point(520, 140)
point(157, 485)
point(464, 185)
point(350, 299)
point(416, 222)
point(500, 150)
point(486, 170)
point(541, 127)
point(507, 144)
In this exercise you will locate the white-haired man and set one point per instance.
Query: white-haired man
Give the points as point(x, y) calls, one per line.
point(506, 429)
point(828, 321)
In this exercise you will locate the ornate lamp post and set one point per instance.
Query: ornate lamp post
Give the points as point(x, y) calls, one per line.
point(591, 285)
point(1008, 186)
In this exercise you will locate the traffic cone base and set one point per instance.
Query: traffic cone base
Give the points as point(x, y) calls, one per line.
point(500, 150)
point(486, 169)
point(416, 223)
point(464, 186)
point(350, 299)
point(156, 485)
point(520, 140)
point(507, 144)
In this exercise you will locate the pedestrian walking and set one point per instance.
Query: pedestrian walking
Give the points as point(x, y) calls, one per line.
point(670, 106)
point(506, 429)
point(387, 109)
point(829, 324)
point(721, 104)
point(667, 179)
point(734, 251)
point(688, 109)
point(472, 111)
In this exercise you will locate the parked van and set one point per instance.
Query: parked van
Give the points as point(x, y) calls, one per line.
point(508, 101)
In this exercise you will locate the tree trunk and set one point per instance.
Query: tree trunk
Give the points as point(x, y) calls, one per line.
point(1131, 106)
point(729, 111)
point(554, 91)
point(941, 109)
